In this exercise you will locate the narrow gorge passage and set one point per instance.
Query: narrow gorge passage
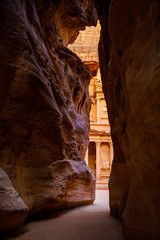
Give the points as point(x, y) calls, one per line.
point(45, 122)
point(91, 222)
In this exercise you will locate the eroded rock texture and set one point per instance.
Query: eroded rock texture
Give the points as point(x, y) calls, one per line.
point(44, 102)
point(130, 67)
point(13, 210)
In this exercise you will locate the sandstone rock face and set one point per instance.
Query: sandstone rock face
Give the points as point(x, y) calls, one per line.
point(13, 210)
point(130, 67)
point(44, 102)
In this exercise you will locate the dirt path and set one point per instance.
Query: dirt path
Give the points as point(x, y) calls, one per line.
point(83, 223)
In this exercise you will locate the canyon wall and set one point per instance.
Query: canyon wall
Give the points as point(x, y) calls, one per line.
point(44, 108)
point(129, 52)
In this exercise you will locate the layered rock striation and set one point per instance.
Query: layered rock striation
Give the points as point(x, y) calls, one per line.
point(129, 55)
point(44, 103)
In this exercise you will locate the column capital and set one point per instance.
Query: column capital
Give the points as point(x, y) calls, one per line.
point(98, 98)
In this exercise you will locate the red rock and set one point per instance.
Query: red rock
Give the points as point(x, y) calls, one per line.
point(44, 102)
point(129, 56)
point(13, 210)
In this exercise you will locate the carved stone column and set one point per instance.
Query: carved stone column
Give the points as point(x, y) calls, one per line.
point(111, 153)
point(98, 110)
point(86, 157)
point(98, 160)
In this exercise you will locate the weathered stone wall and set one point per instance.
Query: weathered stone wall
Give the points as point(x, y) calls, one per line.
point(44, 104)
point(130, 67)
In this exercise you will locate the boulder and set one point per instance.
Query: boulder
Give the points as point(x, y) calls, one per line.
point(13, 210)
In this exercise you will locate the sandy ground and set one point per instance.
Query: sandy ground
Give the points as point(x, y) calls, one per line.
point(91, 222)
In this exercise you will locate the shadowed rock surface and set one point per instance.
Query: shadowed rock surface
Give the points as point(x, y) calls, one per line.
point(44, 103)
point(13, 210)
point(129, 55)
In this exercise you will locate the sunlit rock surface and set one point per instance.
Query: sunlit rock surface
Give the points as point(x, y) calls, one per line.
point(44, 103)
point(130, 66)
